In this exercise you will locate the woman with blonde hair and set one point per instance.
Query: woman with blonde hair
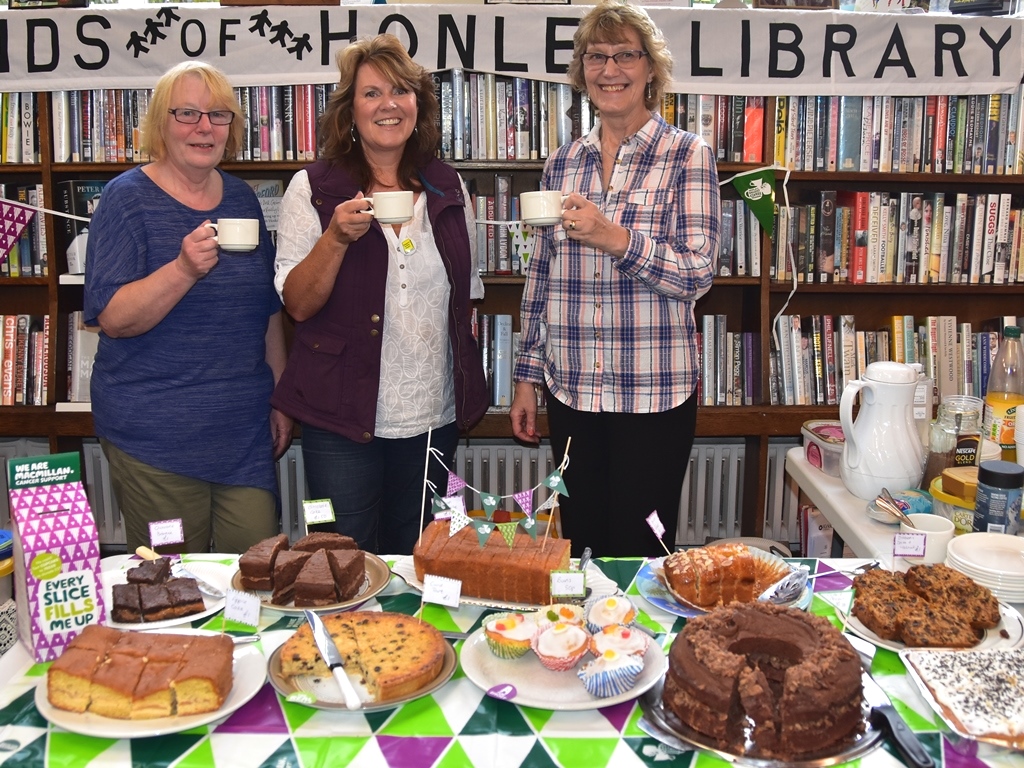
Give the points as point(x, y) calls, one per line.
point(384, 356)
point(191, 337)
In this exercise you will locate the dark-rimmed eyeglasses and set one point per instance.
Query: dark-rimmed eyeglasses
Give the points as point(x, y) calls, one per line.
point(193, 116)
point(624, 59)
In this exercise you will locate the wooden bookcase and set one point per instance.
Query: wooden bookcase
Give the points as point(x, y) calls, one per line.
point(750, 303)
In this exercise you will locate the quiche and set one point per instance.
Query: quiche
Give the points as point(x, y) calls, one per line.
point(394, 654)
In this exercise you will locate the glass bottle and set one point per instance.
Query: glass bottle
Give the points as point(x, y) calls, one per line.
point(954, 437)
point(1005, 392)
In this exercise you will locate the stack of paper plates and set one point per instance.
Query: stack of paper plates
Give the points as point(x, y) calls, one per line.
point(995, 560)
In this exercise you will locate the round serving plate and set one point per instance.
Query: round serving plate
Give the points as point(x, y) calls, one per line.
point(377, 577)
point(654, 709)
point(323, 692)
point(993, 554)
point(528, 683)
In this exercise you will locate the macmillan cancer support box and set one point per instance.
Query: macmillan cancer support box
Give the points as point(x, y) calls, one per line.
point(56, 553)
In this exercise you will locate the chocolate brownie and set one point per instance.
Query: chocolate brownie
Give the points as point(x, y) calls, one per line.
point(150, 572)
point(127, 609)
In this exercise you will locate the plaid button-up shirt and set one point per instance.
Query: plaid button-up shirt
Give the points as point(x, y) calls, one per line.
point(619, 335)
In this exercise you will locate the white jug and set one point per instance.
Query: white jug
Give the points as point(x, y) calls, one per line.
point(882, 447)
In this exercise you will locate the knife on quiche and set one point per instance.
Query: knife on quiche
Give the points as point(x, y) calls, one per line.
point(329, 650)
point(883, 714)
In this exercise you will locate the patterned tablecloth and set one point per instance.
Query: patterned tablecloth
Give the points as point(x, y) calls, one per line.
point(456, 727)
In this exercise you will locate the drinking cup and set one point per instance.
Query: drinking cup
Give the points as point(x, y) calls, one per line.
point(938, 532)
point(391, 207)
point(541, 208)
point(237, 235)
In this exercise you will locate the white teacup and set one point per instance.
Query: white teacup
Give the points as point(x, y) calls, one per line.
point(237, 235)
point(938, 532)
point(541, 208)
point(391, 207)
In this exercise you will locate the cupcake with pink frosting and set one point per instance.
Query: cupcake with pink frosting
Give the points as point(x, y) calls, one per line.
point(560, 646)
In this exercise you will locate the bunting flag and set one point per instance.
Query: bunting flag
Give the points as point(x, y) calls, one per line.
point(554, 482)
point(508, 532)
point(549, 503)
point(525, 500)
point(455, 504)
point(439, 509)
point(455, 483)
point(13, 220)
point(490, 502)
point(459, 521)
point(483, 529)
point(757, 189)
point(529, 525)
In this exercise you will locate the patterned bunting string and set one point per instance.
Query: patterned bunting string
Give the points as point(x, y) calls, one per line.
point(13, 220)
point(529, 525)
point(549, 503)
point(508, 532)
point(439, 509)
point(455, 483)
point(554, 482)
point(490, 502)
point(483, 530)
point(459, 521)
point(525, 500)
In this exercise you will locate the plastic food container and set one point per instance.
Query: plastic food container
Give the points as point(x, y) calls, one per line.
point(955, 508)
point(823, 445)
point(6, 580)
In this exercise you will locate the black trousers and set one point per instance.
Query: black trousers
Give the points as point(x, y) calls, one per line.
point(622, 466)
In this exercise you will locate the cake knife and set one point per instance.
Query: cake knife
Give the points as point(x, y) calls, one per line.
point(180, 571)
point(883, 714)
point(329, 650)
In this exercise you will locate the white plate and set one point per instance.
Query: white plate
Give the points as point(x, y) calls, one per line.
point(250, 672)
point(537, 686)
point(600, 586)
point(218, 574)
point(997, 554)
point(1010, 621)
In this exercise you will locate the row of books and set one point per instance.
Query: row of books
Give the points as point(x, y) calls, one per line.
point(906, 237)
point(498, 345)
point(730, 364)
point(24, 355)
point(900, 134)
point(733, 126)
point(19, 134)
point(740, 241)
point(814, 357)
point(29, 256)
point(83, 341)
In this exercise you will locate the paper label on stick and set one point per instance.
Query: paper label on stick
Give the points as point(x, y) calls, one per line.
point(656, 525)
point(909, 544)
point(568, 584)
point(163, 532)
point(318, 511)
point(441, 590)
point(243, 607)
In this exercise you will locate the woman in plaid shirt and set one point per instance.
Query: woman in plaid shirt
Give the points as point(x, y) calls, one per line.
point(608, 333)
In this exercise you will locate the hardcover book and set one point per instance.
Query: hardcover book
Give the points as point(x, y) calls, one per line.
point(78, 197)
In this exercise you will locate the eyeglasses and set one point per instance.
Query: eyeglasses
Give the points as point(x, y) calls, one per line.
point(193, 116)
point(624, 59)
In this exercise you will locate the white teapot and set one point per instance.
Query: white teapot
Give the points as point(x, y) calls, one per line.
point(882, 448)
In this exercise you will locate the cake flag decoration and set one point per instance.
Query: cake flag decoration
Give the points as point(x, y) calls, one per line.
point(13, 220)
point(525, 500)
point(658, 527)
point(508, 532)
point(455, 483)
point(554, 482)
point(438, 508)
point(483, 530)
point(529, 525)
point(490, 502)
point(549, 503)
point(459, 521)
point(455, 504)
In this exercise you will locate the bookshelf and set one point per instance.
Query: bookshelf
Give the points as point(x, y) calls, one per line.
point(747, 303)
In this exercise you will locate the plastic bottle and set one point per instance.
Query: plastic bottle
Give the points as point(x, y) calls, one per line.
point(1005, 392)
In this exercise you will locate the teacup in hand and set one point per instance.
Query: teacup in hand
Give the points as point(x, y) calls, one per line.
point(391, 207)
point(541, 208)
point(237, 235)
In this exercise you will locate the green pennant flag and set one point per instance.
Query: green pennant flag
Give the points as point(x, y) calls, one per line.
point(490, 502)
point(554, 482)
point(508, 532)
point(758, 191)
point(437, 505)
point(529, 525)
point(483, 529)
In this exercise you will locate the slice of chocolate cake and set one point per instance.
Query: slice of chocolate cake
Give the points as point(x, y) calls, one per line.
point(287, 566)
point(185, 597)
point(349, 569)
point(311, 542)
point(150, 572)
point(126, 609)
point(156, 603)
point(315, 583)
point(256, 566)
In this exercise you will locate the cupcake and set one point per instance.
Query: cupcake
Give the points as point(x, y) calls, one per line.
point(617, 637)
point(509, 634)
point(563, 612)
point(560, 646)
point(611, 673)
point(601, 612)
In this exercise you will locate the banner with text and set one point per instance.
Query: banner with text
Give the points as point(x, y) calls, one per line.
point(723, 51)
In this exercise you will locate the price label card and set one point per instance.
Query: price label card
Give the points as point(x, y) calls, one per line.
point(656, 525)
point(441, 590)
point(455, 504)
point(909, 544)
point(568, 584)
point(163, 532)
point(318, 511)
point(243, 607)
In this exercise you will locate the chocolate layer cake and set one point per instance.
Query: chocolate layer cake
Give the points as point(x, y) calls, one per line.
point(127, 608)
point(792, 674)
point(315, 583)
point(311, 542)
point(349, 569)
point(150, 572)
point(286, 568)
point(256, 566)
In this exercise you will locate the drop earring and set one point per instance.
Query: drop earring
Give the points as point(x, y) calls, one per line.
point(650, 94)
point(352, 131)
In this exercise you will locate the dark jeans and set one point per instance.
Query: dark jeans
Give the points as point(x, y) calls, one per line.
point(376, 488)
point(622, 467)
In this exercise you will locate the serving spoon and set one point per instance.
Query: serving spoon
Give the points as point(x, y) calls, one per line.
point(791, 586)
